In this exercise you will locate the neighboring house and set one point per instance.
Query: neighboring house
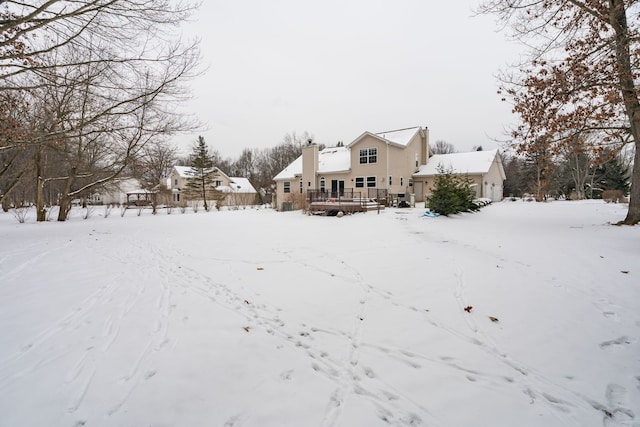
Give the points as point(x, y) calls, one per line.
point(377, 165)
point(483, 168)
point(385, 165)
point(239, 191)
point(121, 191)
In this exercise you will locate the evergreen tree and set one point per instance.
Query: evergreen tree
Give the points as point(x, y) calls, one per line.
point(611, 175)
point(451, 194)
point(203, 173)
point(515, 184)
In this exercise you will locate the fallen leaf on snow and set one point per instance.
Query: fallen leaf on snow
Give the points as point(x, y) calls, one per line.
point(625, 272)
point(468, 309)
point(246, 328)
point(493, 319)
point(260, 268)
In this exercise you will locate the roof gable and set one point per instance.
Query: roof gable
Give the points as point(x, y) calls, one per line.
point(183, 171)
point(241, 185)
point(187, 172)
point(400, 138)
point(472, 163)
point(330, 160)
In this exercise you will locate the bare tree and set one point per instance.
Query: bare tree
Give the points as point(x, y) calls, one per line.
point(139, 31)
point(582, 74)
point(293, 139)
point(110, 73)
point(441, 147)
point(155, 163)
point(245, 165)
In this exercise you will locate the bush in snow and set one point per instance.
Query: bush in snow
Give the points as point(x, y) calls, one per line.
point(451, 194)
point(21, 213)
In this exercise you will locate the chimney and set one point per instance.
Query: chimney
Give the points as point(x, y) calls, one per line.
point(424, 156)
point(309, 166)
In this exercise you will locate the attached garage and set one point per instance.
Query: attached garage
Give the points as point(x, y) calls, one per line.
point(483, 168)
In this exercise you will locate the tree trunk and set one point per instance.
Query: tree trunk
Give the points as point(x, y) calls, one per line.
point(40, 210)
point(633, 214)
point(204, 193)
point(65, 199)
point(618, 20)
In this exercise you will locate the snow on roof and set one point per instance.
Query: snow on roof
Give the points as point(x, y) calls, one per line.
point(332, 159)
point(241, 185)
point(474, 162)
point(294, 168)
point(124, 185)
point(140, 191)
point(401, 136)
point(184, 171)
point(187, 171)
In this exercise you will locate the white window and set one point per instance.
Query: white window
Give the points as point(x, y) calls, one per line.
point(323, 185)
point(287, 187)
point(368, 155)
point(390, 181)
point(371, 181)
point(359, 182)
point(401, 181)
point(300, 186)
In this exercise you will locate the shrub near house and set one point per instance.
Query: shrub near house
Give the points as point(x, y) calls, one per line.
point(451, 194)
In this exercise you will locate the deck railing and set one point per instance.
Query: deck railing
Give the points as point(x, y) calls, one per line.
point(379, 194)
point(347, 195)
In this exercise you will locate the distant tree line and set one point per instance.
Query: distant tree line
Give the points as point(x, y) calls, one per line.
point(572, 174)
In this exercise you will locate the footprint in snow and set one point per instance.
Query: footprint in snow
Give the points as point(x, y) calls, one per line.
point(369, 373)
point(616, 414)
point(150, 374)
point(286, 375)
point(623, 340)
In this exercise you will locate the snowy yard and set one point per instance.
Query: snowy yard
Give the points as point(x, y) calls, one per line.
point(259, 318)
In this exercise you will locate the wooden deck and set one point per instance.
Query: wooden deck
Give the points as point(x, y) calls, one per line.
point(329, 207)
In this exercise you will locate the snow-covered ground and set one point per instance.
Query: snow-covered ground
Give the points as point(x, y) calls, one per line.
point(259, 318)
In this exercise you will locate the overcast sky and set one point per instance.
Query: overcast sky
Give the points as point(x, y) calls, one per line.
point(338, 68)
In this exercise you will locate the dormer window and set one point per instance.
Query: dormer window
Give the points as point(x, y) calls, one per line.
point(368, 155)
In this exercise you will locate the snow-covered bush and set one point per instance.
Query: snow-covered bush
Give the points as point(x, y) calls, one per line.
point(451, 194)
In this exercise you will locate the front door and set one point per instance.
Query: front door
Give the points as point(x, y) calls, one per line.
point(337, 187)
point(418, 191)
